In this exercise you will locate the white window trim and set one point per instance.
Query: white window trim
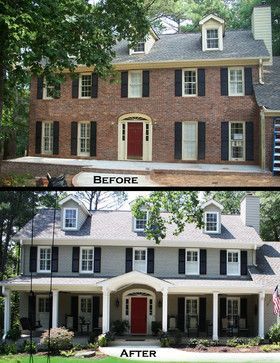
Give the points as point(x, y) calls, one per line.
point(196, 136)
point(198, 261)
point(79, 153)
point(234, 298)
point(183, 82)
point(132, 51)
point(244, 141)
point(80, 86)
point(218, 222)
point(64, 215)
point(38, 259)
point(129, 81)
point(206, 27)
point(80, 262)
point(190, 298)
point(133, 257)
point(43, 151)
point(234, 251)
point(134, 223)
point(243, 82)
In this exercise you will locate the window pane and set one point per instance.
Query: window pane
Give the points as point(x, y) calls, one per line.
point(140, 47)
point(189, 82)
point(70, 218)
point(212, 38)
point(86, 85)
point(211, 222)
point(135, 85)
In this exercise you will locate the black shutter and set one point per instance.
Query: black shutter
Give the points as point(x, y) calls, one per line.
point(97, 259)
point(181, 314)
point(94, 85)
point(224, 141)
point(40, 85)
point(178, 141)
point(95, 311)
point(128, 259)
point(33, 259)
point(203, 262)
point(74, 312)
point(224, 81)
point(201, 140)
point(223, 262)
point(201, 82)
point(124, 84)
point(93, 130)
point(38, 138)
point(55, 137)
point(75, 87)
point(243, 308)
point(32, 309)
point(248, 81)
point(57, 90)
point(146, 84)
point(223, 307)
point(74, 138)
point(75, 259)
point(151, 261)
point(244, 263)
point(55, 259)
point(202, 314)
point(50, 298)
point(181, 261)
point(178, 82)
point(249, 141)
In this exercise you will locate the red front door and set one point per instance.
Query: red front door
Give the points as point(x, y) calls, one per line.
point(135, 140)
point(138, 315)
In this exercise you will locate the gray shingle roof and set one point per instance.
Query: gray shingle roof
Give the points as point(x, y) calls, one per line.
point(180, 47)
point(118, 226)
point(268, 94)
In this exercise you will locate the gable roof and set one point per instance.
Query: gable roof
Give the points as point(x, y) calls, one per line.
point(212, 202)
point(75, 200)
point(268, 94)
point(211, 16)
point(183, 47)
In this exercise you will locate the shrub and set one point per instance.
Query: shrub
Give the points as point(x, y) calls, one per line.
point(270, 348)
point(254, 342)
point(14, 333)
point(164, 342)
point(28, 347)
point(120, 326)
point(102, 340)
point(93, 346)
point(60, 339)
point(235, 341)
point(68, 353)
point(274, 333)
point(176, 337)
point(6, 348)
point(192, 343)
point(156, 327)
point(93, 336)
point(204, 342)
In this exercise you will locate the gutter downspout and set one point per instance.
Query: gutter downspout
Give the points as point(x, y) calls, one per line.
point(261, 71)
point(262, 143)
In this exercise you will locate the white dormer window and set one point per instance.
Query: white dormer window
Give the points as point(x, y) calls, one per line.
point(212, 39)
point(140, 223)
point(211, 222)
point(70, 218)
point(140, 48)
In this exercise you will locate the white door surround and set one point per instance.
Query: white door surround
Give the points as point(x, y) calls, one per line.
point(123, 122)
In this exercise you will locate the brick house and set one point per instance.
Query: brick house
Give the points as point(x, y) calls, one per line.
point(181, 97)
point(215, 281)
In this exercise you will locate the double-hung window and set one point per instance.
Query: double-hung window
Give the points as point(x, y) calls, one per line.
point(84, 139)
point(211, 222)
point(70, 218)
point(44, 259)
point(139, 48)
point(47, 138)
point(189, 82)
point(141, 222)
point(236, 81)
point(212, 38)
point(135, 84)
point(86, 260)
point(233, 263)
point(85, 85)
point(191, 312)
point(140, 259)
point(237, 141)
point(192, 262)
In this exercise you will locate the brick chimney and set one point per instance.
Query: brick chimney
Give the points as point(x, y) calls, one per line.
point(250, 211)
point(262, 27)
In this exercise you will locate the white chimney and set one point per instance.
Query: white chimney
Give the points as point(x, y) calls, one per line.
point(250, 211)
point(262, 27)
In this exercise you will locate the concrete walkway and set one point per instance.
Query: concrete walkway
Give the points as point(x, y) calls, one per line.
point(177, 355)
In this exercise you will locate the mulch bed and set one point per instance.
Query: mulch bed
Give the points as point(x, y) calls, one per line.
point(223, 349)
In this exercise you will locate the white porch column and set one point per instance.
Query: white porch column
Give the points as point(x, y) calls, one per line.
point(55, 301)
point(215, 316)
point(261, 315)
point(164, 309)
point(106, 311)
point(7, 311)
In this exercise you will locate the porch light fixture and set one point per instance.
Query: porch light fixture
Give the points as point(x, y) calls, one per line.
point(117, 302)
point(159, 303)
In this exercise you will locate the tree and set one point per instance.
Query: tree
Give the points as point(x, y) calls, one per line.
point(180, 208)
point(270, 215)
point(230, 200)
point(102, 200)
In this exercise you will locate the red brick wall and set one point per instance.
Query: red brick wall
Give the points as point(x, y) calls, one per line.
point(162, 106)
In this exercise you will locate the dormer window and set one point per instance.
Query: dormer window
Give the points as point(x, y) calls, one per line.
point(140, 223)
point(212, 39)
point(70, 218)
point(140, 47)
point(211, 222)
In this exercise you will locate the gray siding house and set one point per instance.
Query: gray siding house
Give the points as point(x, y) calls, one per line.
point(216, 281)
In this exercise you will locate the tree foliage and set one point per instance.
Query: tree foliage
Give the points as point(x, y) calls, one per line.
point(230, 200)
point(102, 199)
point(270, 215)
